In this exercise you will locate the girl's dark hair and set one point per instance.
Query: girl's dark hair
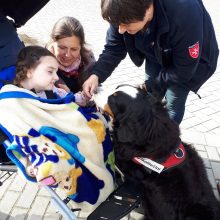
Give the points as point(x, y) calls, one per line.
point(119, 12)
point(68, 27)
point(29, 58)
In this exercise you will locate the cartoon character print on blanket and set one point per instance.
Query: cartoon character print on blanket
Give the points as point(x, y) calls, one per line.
point(45, 161)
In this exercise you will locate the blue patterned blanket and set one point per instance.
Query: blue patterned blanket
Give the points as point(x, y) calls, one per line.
point(59, 144)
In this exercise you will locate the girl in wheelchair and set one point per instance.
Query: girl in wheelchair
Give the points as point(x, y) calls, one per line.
point(55, 141)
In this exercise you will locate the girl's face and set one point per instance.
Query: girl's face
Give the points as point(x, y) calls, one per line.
point(44, 75)
point(67, 50)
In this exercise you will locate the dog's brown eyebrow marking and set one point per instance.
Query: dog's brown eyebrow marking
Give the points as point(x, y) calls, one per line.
point(115, 94)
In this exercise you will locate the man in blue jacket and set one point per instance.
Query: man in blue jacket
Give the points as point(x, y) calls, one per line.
point(176, 39)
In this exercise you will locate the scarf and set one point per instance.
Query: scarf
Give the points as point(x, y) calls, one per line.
point(72, 70)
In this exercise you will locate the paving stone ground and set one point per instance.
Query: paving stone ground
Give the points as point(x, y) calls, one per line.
point(201, 124)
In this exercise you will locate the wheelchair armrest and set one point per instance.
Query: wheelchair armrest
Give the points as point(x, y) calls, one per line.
point(8, 167)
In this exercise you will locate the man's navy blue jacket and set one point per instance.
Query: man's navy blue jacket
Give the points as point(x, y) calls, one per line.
point(182, 44)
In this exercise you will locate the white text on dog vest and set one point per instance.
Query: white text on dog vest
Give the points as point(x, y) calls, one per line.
point(150, 164)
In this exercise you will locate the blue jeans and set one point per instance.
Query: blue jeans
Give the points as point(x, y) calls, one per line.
point(175, 95)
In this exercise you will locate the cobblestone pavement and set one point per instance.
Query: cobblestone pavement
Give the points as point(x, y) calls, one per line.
point(201, 125)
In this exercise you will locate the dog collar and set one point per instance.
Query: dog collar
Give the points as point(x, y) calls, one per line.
point(173, 160)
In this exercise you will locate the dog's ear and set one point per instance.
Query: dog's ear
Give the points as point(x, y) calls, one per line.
point(125, 133)
point(156, 127)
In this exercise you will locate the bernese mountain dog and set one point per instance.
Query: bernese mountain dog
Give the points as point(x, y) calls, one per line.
point(150, 153)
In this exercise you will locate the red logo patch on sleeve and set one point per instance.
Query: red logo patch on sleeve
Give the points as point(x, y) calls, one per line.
point(194, 50)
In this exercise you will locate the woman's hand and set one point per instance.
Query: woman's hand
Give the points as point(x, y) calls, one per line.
point(90, 85)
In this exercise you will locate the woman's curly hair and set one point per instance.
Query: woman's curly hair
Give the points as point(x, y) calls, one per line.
point(29, 58)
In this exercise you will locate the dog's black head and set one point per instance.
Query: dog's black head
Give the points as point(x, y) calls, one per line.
point(140, 120)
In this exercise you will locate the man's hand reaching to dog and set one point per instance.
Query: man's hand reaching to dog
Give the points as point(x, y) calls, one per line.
point(90, 85)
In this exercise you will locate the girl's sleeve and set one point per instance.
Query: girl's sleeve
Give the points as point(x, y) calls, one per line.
point(60, 92)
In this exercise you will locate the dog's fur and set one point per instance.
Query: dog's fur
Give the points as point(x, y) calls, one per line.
point(142, 128)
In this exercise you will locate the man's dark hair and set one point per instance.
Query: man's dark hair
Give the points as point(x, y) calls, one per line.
point(124, 11)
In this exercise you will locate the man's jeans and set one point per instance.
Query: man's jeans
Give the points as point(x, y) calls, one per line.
point(175, 95)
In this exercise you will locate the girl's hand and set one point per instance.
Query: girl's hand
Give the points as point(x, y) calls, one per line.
point(81, 99)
